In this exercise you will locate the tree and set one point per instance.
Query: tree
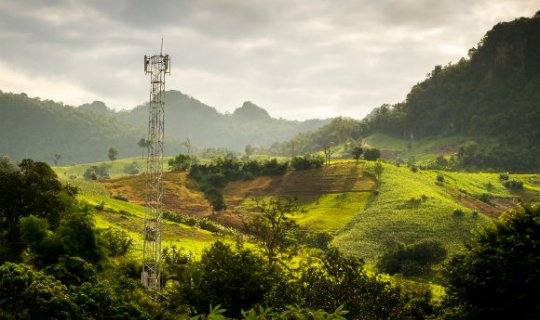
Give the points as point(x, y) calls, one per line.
point(182, 162)
point(272, 227)
point(343, 281)
point(113, 153)
point(378, 170)
point(235, 279)
point(357, 152)
point(143, 144)
point(372, 154)
point(498, 277)
point(7, 165)
point(187, 144)
point(215, 197)
point(327, 153)
point(414, 259)
point(57, 158)
point(29, 294)
point(249, 149)
point(34, 190)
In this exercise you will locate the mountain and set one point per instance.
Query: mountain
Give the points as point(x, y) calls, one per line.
point(186, 117)
point(32, 128)
point(40, 129)
point(492, 97)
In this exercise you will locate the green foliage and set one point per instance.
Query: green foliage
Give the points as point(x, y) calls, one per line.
point(34, 128)
point(102, 301)
point(97, 172)
point(112, 153)
point(182, 162)
point(132, 168)
point(307, 162)
point(414, 259)
point(29, 294)
point(6, 164)
point(343, 281)
point(514, 184)
point(357, 152)
point(372, 154)
point(235, 279)
point(272, 227)
point(498, 276)
point(34, 190)
point(215, 197)
point(72, 271)
point(116, 241)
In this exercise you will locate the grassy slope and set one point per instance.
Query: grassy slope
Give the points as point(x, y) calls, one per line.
point(116, 170)
point(422, 150)
point(363, 223)
point(328, 198)
point(393, 215)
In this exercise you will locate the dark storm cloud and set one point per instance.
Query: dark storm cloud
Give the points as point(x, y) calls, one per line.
point(296, 58)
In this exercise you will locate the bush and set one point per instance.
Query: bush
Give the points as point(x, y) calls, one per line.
point(182, 162)
point(234, 279)
point(116, 241)
point(458, 213)
point(209, 225)
point(440, 178)
point(307, 162)
point(514, 185)
point(504, 176)
point(319, 240)
point(414, 259)
point(132, 168)
point(372, 154)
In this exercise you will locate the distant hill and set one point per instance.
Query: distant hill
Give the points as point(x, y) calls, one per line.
point(39, 129)
point(187, 117)
point(492, 98)
point(32, 128)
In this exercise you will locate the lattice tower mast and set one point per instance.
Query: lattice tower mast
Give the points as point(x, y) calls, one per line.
point(157, 66)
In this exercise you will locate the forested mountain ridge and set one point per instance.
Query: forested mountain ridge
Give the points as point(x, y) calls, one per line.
point(493, 95)
point(40, 129)
point(187, 117)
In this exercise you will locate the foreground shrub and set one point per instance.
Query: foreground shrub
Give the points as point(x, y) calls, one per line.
point(498, 277)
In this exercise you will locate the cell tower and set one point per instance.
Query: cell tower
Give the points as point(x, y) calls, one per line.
point(157, 66)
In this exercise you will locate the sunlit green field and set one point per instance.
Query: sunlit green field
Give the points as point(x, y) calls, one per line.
point(117, 168)
point(409, 207)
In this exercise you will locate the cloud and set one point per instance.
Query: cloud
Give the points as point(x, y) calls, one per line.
point(297, 58)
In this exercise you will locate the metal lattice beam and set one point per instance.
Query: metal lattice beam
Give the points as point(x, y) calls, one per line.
point(157, 66)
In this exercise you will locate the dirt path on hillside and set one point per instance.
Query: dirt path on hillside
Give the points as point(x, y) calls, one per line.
point(494, 208)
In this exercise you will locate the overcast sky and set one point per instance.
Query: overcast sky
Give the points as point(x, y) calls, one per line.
point(298, 59)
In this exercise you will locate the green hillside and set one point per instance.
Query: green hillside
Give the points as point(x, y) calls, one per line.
point(39, 129)
point(485, 109)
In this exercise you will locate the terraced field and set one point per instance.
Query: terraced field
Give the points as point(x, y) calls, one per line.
point(180, 194)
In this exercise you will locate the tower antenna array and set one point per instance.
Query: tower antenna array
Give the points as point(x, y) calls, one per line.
point(157, 66)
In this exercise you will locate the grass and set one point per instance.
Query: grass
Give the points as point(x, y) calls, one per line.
point(419, 150)
point(409, 207)
point(117, 168)
point(330, 212)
